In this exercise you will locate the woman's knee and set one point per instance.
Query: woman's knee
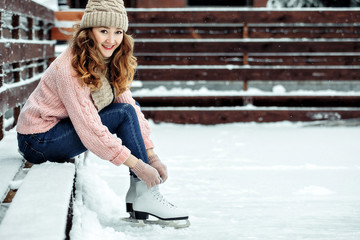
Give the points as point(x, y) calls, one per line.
point(123, 108)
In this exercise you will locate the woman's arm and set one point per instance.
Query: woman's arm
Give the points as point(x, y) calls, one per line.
point(84, 116)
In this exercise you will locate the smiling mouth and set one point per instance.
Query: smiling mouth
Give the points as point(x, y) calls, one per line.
point(108, 48)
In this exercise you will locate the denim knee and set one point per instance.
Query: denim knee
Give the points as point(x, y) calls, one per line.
point(129, 109)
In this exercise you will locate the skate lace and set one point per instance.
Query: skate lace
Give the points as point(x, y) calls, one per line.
point(161, 198)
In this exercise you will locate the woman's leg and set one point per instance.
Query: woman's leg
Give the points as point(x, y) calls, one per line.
point(62, 142)
point(59, 144)
point(121, 119)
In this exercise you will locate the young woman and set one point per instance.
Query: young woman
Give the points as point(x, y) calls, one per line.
point(83, 99)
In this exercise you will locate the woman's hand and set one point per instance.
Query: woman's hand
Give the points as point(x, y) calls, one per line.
point(155, 162)
point(144, 171)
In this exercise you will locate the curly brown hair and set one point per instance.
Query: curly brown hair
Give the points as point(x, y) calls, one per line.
point(89, 63)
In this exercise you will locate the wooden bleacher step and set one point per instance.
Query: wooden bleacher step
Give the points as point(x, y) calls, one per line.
point(41, 205)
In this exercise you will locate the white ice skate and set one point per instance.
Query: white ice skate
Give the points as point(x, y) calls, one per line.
point(130, 196)
point(142, 202)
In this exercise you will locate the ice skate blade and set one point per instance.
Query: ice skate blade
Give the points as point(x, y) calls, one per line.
point(177, 224)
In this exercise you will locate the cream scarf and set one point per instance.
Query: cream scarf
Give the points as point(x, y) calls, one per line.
point(103, 96)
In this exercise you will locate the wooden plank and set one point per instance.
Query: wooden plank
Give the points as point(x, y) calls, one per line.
point(212, 116)
point(213, 15)
point(42, 215)
point(260, 100)
point(14, 96)
point(28, 8)
point(243, 15)
point(61, 34)
point(305, 32)
point(58, 33)
point(74, 16)
point(183, 101)
point(304, 101)
point(242, 46)
point(239, 73)
point(10, 163)
point(305, 59)
point(189, 59)
point(9, 167)
point(180, 31)
point(215, 32)
point(18, 51)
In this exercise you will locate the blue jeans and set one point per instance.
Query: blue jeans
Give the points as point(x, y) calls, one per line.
point(61, 143)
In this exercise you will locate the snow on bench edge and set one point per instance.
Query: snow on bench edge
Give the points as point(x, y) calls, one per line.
point(10, 162)
point(40, 207)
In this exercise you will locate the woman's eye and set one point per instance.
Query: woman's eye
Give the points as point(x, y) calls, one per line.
point(103, 31)
point(119, 32)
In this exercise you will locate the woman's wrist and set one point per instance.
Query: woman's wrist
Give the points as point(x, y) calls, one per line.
point(131, 161)
point(150, 152)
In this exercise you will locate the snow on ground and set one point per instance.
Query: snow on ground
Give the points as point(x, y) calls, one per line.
point(237, 181)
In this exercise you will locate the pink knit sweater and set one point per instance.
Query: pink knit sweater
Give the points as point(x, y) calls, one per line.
point(60, 95)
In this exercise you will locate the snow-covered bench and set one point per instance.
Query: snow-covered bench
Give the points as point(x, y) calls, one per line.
point(43, 195)
point(40, 208)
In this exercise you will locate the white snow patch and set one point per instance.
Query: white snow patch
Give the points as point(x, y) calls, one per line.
point(314, 191)
point(203, 91)
point(52, 4)
point(279, 89)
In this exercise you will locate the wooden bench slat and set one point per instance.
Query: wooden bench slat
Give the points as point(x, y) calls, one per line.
point(245, 46)
point(15, 95)
point(28, 8)
point(280, 60)
point(219, 116)
point(256, 100)
point(229, 15)
point(240, 15)
point(10, 163)
point(239, 73)
point(40, 207)
point(229, 32)
point(18, 51)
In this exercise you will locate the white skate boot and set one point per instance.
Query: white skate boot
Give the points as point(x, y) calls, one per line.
point(147, 202)
point(130, 196)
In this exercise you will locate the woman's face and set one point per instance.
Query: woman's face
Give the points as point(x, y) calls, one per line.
point(108, 39)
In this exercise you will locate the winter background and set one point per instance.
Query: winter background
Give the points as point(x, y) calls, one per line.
point(237, 181)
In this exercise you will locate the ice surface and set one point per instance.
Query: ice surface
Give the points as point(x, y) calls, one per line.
point(238, 181)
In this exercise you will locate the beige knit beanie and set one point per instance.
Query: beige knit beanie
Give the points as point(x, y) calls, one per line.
point(105, 13)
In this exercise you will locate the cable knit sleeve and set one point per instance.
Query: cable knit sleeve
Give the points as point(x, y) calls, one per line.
point(126, 97)
point(85, 118)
